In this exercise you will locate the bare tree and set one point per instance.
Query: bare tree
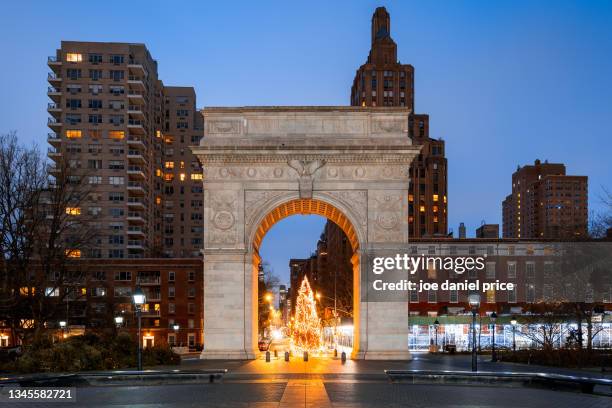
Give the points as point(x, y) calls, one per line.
point(601, 222)
point(42, 233)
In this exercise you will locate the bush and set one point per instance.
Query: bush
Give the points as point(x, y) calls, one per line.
point(564, 357)
point(89, 352)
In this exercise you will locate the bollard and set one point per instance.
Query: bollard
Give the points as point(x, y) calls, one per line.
point(286, 356)
point(275, 353)
point(335, 353)
point(305, 356)
point(343, 357)
point(267, 356)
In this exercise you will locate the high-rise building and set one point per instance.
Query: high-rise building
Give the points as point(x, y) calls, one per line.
point(384, 81)
point(115, 124)
point(546, 203)
point(487, 231)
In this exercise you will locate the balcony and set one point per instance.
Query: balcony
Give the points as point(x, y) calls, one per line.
point(152, 313)
point(136, 126)
point(136, 172)
point(136, 187)
point(135, 231)
point(135, 141)
point(54, 93)
point(54, 63)
point(54, 124)
point(135, 97)
point(134, 202)
point(136, 67)
point(54, 78)
point(54, 109)
point(54, 138)
point(135, 244)
point(136, 82)
point(149, 280)
point(135, 217)
point(135, 111)
point(53, 153)
point(135, 156)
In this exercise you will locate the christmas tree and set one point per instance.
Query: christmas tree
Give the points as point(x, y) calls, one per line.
point(306, 328)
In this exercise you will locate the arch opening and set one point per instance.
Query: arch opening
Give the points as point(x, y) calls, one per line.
point(338, 334)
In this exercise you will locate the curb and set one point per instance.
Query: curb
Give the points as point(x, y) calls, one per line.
point(512, 379)
point(146, 377)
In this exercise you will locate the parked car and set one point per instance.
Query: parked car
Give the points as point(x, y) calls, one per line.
point(10, 353)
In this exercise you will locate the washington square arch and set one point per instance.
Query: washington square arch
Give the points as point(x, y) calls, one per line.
point(262, 164)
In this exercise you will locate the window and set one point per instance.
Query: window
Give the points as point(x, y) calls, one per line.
point(95, 89)
point(547, 292)
point(169, 164)
point(74, 57)
point(117, 90)
point(196, 176)
point(511, 270)
point(171, 276)
point(73, 74)
point(123, 291)
point(95, 179)
point(182, 176)
point(116, 196)
point(171, 308)
point(116, 165)
point(95, 74)
point(491, 296)
point(182, 99)
point(530, 270)
point(95, 58)
point(171, 291)
point(116, 105)
point(191, 292)
point(73, 119)
point(116, 119)
point(191, 308)
point(116, 75)
point(95, 104)
point(116, 212)
point(431, 296)
point(182, 125)
point(116, 59)
point(530, 295)
point(51, 292)
point(73, 210)
point(73, 103)
point(99, 276)
point(98, 292)
point(115, 181)
point(73, 134)
point(453, 296)
point(190, 324)
point(490, 270)
point(94, 211)
point(97, 118)
point(115, 253)
point(115, 239)
point(73, 253)
point(512, 295)
point(116, 134)
point(123, 276)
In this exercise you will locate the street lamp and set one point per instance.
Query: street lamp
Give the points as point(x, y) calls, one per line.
point(139, 300)
point(493, 317)
point(474, 300)
point(513, 323)
point(62, 325)
point(436, 325)
point(119, 321)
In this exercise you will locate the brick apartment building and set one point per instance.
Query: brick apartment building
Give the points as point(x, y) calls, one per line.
point(546, 203)
point(384, 81)
point(115, 123)
point(97, 292)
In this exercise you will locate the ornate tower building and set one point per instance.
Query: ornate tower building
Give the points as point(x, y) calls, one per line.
point(384, 81)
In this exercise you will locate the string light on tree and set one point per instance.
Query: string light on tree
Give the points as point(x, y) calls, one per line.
point(306, 331)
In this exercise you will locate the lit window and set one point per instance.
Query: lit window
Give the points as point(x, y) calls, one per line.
point(73, 253)
point(168, 176)
point(435, 197)
point(158, 172)
point(158, 133)
point(73, 210)
point(182, 164)
point(444, 199)
point(116, 134)
point(435, 218)
point(169, 165)
point(74, 57)
point(182, 176)
point(422, 208)
point(435, 208)
point(157, 200)
point(196, 176)
point(73, 134)
point(410, 197)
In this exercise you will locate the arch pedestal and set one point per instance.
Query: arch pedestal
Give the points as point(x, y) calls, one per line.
point(263, 164)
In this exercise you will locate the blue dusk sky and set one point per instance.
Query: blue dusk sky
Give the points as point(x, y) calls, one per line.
point(504, 82)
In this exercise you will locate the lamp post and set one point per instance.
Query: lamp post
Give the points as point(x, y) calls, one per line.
point(62, 325)
point(139, 300)
point(176, 328)
point(493, 317)
point(513, 323)
point(474, 300)
point(119, 321)
point(436, 325)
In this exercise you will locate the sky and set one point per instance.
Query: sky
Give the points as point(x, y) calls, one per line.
point(504, 82)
